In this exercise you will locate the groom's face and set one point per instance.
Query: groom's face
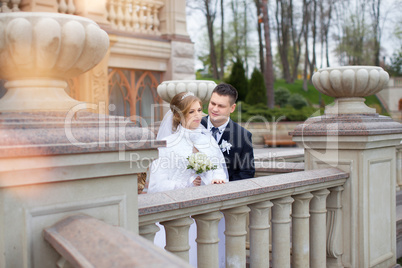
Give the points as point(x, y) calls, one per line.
point(219, 109)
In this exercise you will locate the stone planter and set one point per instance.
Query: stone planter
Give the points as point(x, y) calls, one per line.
point(39, 52)
point(201, 88)
point(349, 84)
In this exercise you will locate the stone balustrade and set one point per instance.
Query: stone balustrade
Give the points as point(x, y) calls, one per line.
point(66, 6)
point(133, 15)
point(286, 196)
point(9, 6)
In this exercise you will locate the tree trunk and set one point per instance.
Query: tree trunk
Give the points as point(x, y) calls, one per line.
point(314, 30)
point(269, 70)
point(259, 30)
point(283, 37)
point(306, 59)
point(222, 56)
point(210, 20)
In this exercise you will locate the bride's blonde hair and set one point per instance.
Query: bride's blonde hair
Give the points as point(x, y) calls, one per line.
point(180, 106)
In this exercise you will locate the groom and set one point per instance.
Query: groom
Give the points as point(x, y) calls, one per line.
point(234, 140)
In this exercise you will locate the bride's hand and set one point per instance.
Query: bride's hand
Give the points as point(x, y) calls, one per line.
point(197, 181)
point(218, 181)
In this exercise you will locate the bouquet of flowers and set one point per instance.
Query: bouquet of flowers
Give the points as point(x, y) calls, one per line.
point(200, 163)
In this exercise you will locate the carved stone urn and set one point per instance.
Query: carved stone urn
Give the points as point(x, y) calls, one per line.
point(39, 52)
point(201, 88)
point(349, 85)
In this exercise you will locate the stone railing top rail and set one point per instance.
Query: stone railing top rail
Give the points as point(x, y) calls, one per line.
point(87, 242)
point(180, 203)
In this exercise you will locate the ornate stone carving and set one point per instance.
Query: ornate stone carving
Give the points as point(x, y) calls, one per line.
point(201, 88)
point(50, 47)
point(349, 84)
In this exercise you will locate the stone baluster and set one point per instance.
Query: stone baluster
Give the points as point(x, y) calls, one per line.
point(127, 16)
point(71, 7)
point(149, 18)
point(177, 236)
point(281, 232)
point(259, 234)
point(208, 239)
point(63, 6)
point(148, 231)
point(135, 19)
point(156, 22)
point(235, 235)
point(142, 19)
point(15, 5)
point(112, 13)
point(120, 15)
point(318, 225)
point(4, 6)
point(300, 230)
point(334, 227)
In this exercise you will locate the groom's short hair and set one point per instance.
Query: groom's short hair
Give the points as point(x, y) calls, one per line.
point(224, 89)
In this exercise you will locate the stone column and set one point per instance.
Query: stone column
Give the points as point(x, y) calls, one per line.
point(334, 227)
point(56, 161)
point(259, 234)
point(281, 232)
point(148, 231)
point(235, 235)
point(177, 236)
point(300, 230)
point(354, 138)
point(318, 236)
point(207, 239)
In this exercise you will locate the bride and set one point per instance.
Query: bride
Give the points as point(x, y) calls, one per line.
point(184, 136)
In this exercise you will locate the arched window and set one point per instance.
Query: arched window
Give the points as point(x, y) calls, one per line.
point(133, 92)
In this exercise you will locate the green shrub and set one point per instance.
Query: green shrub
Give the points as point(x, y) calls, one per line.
point(238, 79)
point(297, 101)
point(257, 92)
point(281, 96)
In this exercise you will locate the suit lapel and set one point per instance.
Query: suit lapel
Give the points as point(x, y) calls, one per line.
point(226, 133)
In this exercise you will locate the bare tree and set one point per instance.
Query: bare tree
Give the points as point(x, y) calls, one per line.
point(283, 22)
point(375, 16)
point(222, 55)
point(296, 42)
point(325, 22)
point(306, 12)
point(268, 70)
point(259, 31)
point(314, 33)
point(208, 8)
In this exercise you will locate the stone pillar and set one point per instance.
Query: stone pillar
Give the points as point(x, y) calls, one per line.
point(149, 231)
point(177, 237)
point(259, 234)
point(235, 235)
point(354, 138)
point(56, 159)
point(318, 236)
point(300, 230)
point(207, 239)
point(281, 232)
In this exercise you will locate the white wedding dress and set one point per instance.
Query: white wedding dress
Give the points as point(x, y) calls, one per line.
point(170, 172)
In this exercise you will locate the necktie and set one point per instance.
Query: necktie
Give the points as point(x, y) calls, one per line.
point(215, 131)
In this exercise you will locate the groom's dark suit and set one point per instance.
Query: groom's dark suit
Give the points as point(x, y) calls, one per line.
point(240, 159)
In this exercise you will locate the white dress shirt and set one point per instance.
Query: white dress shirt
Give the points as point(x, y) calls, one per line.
point(221, 128)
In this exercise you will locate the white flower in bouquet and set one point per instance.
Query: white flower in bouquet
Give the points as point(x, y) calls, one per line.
point(200, 163)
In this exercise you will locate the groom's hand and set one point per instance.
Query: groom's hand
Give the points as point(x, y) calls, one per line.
point(218, 181)
point(197, 181)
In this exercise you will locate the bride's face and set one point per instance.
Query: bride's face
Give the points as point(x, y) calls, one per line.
point(194, 116)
